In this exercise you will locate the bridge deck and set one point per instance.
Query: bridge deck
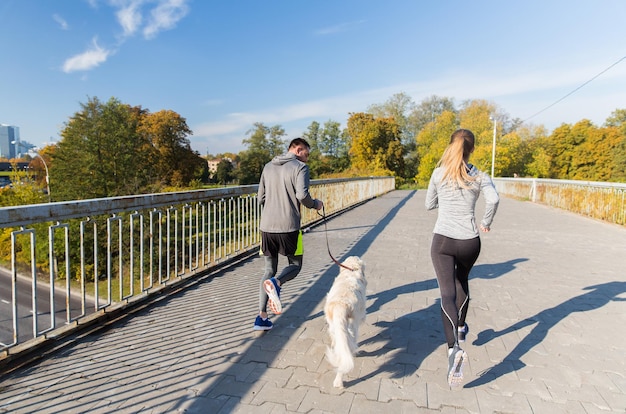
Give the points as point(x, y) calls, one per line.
point(547, 318)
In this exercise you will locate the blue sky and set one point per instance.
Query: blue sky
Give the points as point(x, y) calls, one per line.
point(224, 65)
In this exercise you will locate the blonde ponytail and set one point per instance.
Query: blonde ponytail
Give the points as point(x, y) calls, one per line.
point(454, 158)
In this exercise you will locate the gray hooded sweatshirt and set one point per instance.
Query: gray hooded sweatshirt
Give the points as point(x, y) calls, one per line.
point(284, 185)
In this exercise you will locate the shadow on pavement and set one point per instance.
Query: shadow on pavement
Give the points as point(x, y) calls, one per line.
point(598, 296)
point(309, 300)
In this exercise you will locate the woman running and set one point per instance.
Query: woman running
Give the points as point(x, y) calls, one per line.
point(454, 188)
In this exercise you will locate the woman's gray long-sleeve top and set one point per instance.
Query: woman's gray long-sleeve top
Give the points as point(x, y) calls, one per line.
point(456, 217)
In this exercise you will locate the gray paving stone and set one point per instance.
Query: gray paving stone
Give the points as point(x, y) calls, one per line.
point(315, 401)
point(548, 292)
point(494, 403)
point(540, 405)
point(290, 399)
point(362, 405)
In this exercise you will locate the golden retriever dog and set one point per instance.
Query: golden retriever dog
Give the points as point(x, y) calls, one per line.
point(345, 311)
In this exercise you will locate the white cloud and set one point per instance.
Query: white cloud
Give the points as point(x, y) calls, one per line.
point(61, 21)
point(129, 16)
point(87, 60)
point(165, 16)
point(162, 16)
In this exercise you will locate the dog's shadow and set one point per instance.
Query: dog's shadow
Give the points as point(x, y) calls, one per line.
point(410, 339)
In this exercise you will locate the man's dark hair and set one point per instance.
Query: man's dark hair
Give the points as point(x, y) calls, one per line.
point(296, 142)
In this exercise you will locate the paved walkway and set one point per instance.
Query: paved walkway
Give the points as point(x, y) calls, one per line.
point(547, 318)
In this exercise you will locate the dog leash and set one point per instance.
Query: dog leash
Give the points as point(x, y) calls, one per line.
point(328, 245)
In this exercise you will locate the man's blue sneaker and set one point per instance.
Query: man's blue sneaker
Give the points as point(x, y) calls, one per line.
point(273, 292)
point(262, 325)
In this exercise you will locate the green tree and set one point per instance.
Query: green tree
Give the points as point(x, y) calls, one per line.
point(251, 163)
point(264, 143)
point(266, 139)
point(428, 111)
point(112, 149)
point(313, 135)
point(97, 154)
point(332, 140)
point(334, 145)
point(517, 151)
point(617, 120)
point(399, 107)
point(224, 172)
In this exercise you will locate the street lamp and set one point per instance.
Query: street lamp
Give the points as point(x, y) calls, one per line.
point(493, 148)
point(36, 154)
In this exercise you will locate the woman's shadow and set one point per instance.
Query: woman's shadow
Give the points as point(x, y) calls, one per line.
point(494, 270)
point(414, 336)
point(409, 339)
point(596, 297)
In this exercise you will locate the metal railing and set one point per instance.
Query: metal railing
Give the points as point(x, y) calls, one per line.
point(103, 254)
point(603, 201)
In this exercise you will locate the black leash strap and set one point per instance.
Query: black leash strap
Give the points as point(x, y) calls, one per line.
point(328, 245)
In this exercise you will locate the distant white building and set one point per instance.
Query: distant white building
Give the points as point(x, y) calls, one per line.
point(212, 164)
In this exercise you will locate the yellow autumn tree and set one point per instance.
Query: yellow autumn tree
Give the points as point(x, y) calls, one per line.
point(172, 160)
point(376, 146)
point(431, 142)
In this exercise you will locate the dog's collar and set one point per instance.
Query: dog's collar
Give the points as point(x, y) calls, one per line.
point(339, 263)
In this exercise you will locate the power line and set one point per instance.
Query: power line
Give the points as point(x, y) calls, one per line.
point(551, 105)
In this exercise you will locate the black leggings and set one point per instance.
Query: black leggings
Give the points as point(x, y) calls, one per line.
point(453, 259)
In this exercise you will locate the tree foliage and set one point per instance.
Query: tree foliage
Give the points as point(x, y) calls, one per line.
point(313, 136)
point(112, 149)
point(224, 172)
point(584, 151)
point(399, 107)
point(329, 148)
point(406, 139)
point(25, 190)
point(168, 150)
point(429, 109)
point(431, 142)
point(264, 143)
point(375, 144)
